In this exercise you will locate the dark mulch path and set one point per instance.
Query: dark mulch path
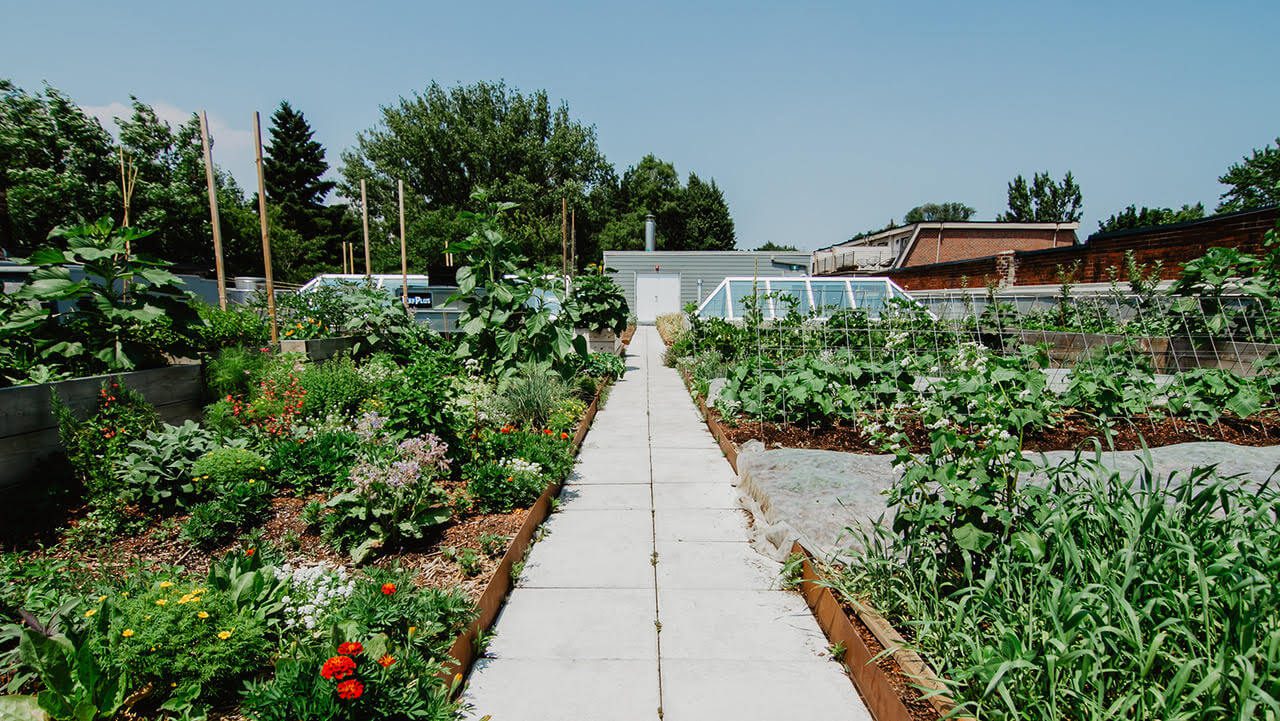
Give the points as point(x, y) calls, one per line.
point(1071, 432)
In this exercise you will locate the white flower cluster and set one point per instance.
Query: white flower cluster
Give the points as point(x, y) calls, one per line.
point(378, 370)
point(897, 340)
point(312, 593)
point(972, 357)
point(520, 465)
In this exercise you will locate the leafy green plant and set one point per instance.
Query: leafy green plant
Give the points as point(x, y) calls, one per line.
point(499, 488)
point(159, 468)
point(332, 387)
point(318, 463)
point(125, 313)
point(234, 370)
point(608, 366)
point(420, 399)
point(237, 506)
point(492, 544)
point(77, 685)
point(237, 326)
point(175, 631)
point(391, 500)
point(600, 303)
point(468, 560)
point(1116, 381)
point(508, 319)
point(1202, 394)
point(96, 445)
point(228, 466)
point(529, 397)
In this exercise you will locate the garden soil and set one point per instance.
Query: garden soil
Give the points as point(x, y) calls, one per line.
point(815, 496)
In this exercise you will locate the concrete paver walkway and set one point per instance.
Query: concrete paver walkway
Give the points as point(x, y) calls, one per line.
point(645, 601)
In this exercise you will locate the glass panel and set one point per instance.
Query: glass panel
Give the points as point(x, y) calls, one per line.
point(794, 288)
point(715, 305)
point(829, 295)
point(869, 296)
point(740, 290)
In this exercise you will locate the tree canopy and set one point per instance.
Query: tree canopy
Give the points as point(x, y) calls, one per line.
point(1131, 217)
point(1044, 200)
point(1254, 182)
point(692, 216)
point(770, 245)
point(932, 212)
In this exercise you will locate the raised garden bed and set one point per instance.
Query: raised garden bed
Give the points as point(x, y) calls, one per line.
point(29, 432)
point(318, 349)
point(1168, 355)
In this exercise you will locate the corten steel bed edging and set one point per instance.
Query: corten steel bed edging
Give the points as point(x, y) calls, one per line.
point(869, 679)
point(463, 652)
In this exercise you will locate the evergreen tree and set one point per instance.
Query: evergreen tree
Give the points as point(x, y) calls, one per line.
point(1254, 182)
point(1132, 217)
point(938, 212)
point(294, 166)
point(708, 225)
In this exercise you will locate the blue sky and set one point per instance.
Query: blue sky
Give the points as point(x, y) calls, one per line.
point(818, 120)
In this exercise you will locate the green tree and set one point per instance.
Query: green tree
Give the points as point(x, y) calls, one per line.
point(1044, 200)
point(1254, 182)
point(938, 212)
point(293, 168)
point(707, 222)
point(57, 166)
point(444, 143)
point(772, 246)
point(1132, 217)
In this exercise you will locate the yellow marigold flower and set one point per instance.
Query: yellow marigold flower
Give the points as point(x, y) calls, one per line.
point(202, 614)
point(185, 599)
point(127, 633)
point(166, 584)
point(124, 594)
point(101, 599)
point(161, 601)
point(90, 612)
point(224, 635)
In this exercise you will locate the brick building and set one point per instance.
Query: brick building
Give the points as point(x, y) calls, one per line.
point(1173, 245)
point(926, 243)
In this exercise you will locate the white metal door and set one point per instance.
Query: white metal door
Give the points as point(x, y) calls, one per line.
point(656, 294)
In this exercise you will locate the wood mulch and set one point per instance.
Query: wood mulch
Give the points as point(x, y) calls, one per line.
point(903, 685)
point(160, 545)
point(1071, 432)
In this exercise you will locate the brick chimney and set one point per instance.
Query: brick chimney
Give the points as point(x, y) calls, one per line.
point(1006, 268)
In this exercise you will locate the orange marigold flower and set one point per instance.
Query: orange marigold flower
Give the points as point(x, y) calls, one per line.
point(564, 436)
point(350, 648)
point(337, 668)
point(386, 661)
point(350, 690)
point(388, 589)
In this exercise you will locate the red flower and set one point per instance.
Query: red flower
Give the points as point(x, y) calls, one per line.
point(248, 552)
point(388, 589)
point(350, 690)
point(386, 661)
point(350, 648)
point(548, 431)
point(337, 668)
point(564, 436)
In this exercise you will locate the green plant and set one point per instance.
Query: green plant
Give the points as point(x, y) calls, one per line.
point(503, 488)
point(332, 387)
point(159, 468)
point(420, 399)
point(77, 685)
point(96, 445)
point(237, 326)
point(234, 370)
point(511, 315)
point(608, 366)
point(1202, 394)
point(600, 303)
point(124, 313)
point(391, 500)
point(388, 602)
point(228, 466)
point(792, 573)
point(468, 560)
point(320, 462)
point(528, 397)
point(1116, 597)
point(174, 631)
point(493, 545)
point(214, 523)
point(1116, 381)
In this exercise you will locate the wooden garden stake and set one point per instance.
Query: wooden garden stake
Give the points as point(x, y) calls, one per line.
point(213, 211)
point(364, 210)
point(564, 235)
point(404, 254)
point(573, 240)
point(266, 238)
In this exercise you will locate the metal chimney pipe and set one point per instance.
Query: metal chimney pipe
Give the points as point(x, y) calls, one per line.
point(650, 233)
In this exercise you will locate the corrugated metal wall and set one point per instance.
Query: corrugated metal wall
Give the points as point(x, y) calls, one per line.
point(708, 266)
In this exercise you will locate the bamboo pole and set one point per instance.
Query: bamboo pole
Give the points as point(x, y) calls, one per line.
point(573, 241)
point(214, 220)
point(351, 252)
point(343, 251)
point(564, 236)
point(266, 238)
point(404, 253)
point(364, 210)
